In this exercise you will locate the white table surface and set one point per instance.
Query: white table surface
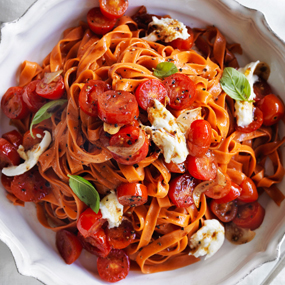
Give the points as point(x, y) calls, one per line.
point(269, 273)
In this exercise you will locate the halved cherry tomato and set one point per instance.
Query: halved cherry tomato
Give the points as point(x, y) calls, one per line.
point(31, 98)
point(97, 243)
point(255, 125)
point(53, 90)
point(203, 168)
point(181, 91)
point(149, 90)
point(114, 267)
point(88, 96)
point(30, 186)
point(6, 182)
point(261, 88)
point(113, 9)
point(232, 195)
point(272, 108)
point(89, 222)
point(13, 105)
point(199, 138)
point(176, 167)
point(14, 137)
point(181, 190)
point(98, 23)
point(249, 192)
point(184, 44)
point(29, 141)
point(250, 216)
point(225, 212)
point(121, 236)
point(132, 194)
point(117, 107)
point(8, 154)
point(219, 191)
point(68, 246)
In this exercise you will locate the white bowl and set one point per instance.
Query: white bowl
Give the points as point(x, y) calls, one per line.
point(32, 37)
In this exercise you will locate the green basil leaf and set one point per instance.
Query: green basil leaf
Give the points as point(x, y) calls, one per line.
point(85, 191)
point(235, 84)
point(165, 69)
point(46, 111)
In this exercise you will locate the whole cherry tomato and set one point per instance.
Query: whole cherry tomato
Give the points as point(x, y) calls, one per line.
point(14, 137)
point(8, 154)
point(113, 9)
point(249, 192)
point(232, 195)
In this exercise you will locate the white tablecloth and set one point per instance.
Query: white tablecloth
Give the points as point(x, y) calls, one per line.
point(269, 273)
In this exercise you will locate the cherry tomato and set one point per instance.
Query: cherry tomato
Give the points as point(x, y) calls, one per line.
point(219, 191)
point(225, 212)
point(13, 105)
point(30, 186)
point(181, 190)
point(203, 168)
point(14, 137)
point(113, 9)
point(89, 222)
point(249, 192)
point(6, 182)
point(199, 138)
point(97, 243)
point(88, 96)
point(150, 90)
point(53, 90)
point(232, 195)
point(261, 89)
point(184, 44)
point(181, 91)
point(29, 141)
point(121, 236)
point(250, 216)
point(255, 125)
point(114, 267)
point(176, 167)
point(272, 108)
point(8, 154)
point(117, 107)
point(68, 246)
point(31, 98)
point(132, 194)
point(98, 23)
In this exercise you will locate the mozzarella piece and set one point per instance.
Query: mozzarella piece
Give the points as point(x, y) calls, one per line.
point(207, 240)
point(112, 210)
point(166, 30)
point(31, 157)
point(166, 134)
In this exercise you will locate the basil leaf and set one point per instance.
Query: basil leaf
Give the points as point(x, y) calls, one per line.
point(165, 69)
point(85, 191)
point(235, 84)
point(46, 111)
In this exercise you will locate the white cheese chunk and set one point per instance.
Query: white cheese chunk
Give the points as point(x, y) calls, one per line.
point(166, 30)
point(207, 240)
point(31, 157)
point(112, 210)
point(166, 134)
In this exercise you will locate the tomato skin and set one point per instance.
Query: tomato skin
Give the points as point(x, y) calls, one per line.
point(132, 194)
point(117, 107)
point(114, 267)
point(176, 167)
point(13, 105)
point(6, 182)
point(250, 216)
point(199, 138)
point(14, 137)
point(8, 154)
point(113, 9)
point(88, 96)
point(261, 89)
point(30, 186)
point(249, 192)
point(184, 44)
point(31, 98)
point(219, 191)
point(181, 91)
point(68, 246)
point(255, 125)
point(29, 141)
point(149, 90)
point(53, 90)
point(232, 195)
point(272, 108)
point(98, 23)
point(225, 212)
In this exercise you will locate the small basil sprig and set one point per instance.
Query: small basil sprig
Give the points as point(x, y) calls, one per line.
point(165, 69)
point(235, 84)
point(46, 111)
point(85, 191)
